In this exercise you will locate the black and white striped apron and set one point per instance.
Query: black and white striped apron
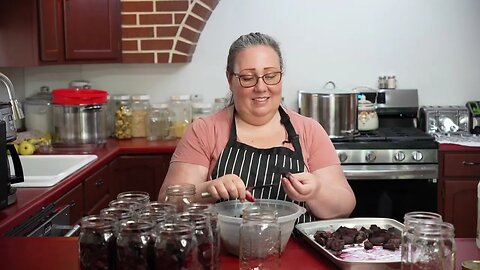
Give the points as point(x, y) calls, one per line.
point(263, 166)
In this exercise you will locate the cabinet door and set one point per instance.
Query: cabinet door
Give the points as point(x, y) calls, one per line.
point(460, 206)
point(97, 190)
point(75, 199)
point(51, 30)
point(92, 29)
point(143, 173)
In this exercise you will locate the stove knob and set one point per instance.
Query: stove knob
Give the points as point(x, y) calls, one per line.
point(370, 157)
point(342, 156)
point(417, 155)
point(399, 156)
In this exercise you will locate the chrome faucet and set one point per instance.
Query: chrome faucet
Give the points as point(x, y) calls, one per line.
point(16, 106)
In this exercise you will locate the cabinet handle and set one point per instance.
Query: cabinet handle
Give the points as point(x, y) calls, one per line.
point(99, 182)
point(72, 204)
point(470, 163)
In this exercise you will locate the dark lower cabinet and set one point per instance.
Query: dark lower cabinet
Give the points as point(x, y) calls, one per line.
point(459, 178)
point(74, 198)
point(140, 172)
point(98, 190)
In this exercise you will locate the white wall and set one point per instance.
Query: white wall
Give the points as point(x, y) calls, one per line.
point(431, 45)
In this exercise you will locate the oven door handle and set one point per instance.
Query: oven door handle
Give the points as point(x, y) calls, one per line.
point(386, 172)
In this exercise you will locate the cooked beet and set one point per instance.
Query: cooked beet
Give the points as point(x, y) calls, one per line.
point(367, 245)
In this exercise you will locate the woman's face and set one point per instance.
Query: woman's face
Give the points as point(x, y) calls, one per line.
point(261, 99)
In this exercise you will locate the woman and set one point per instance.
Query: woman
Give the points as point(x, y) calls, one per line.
point(255, 140)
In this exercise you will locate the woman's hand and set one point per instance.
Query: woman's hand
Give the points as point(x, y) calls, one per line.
point(229, 186)
point(301, 186)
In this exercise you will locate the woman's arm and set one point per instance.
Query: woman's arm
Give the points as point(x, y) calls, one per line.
point(326, 192)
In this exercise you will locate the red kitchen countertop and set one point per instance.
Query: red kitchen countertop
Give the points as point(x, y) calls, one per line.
point(31, 200)
point(52, 253)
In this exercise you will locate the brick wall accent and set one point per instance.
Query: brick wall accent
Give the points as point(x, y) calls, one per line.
point(163, 31)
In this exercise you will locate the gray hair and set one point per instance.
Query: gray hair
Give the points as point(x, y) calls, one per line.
point(246, 41)
point(249, 40)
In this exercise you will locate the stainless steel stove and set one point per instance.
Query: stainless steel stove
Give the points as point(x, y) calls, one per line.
point(392, 170)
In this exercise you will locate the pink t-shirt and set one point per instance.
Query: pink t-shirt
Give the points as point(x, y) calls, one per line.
point(207, 136)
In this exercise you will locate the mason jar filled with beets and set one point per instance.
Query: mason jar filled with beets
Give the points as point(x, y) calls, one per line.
point(135, 245)
point(175, 247)
point(97, 243)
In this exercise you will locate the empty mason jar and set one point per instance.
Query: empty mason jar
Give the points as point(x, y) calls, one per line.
point(134, 206)
point(411, 220)
point(117, 213)
point(180, 195)
point(97, 243)
point(260, 242)
point(139, 196)
point(135, 245)
point(433, 247)
point(208, 210)
point(175, 247)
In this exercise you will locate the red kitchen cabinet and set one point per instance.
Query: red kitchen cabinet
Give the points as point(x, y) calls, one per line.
point(459, 177)
point(42, 32)
point(140, 172)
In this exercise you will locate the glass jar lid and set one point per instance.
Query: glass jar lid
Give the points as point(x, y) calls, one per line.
point(44, 97)
point(121, 97)
point(141, 97)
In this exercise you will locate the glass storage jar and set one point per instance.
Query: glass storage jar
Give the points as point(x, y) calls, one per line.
point(97, 243)
point(200, 109)
point(38, 112)
point(181, 195)
point(158, 122)
point(219, 104)
point(135, 244)
point(260, 241)
point(180, 110)
point(140, 107)
point(123, 117)
point(142, 197)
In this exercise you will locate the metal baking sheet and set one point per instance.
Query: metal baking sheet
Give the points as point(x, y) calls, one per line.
point(374, 259)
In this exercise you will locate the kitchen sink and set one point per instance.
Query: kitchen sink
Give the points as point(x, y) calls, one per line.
point(48, 170)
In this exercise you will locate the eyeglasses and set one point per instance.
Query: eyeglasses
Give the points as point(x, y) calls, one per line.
point(271, 78)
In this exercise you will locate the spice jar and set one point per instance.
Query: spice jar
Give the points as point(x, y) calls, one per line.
point(367, 115)
point(260, 242)
point(123, 117)
point(200, 109)
point(180, 110)
point(135, 245)
point(180, 195)
point(97, 243)
point(140, 107)
point(176, 246)
point(158, 122)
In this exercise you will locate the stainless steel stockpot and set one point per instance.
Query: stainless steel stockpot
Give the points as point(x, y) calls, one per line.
point(336, 111)
point(79, 124)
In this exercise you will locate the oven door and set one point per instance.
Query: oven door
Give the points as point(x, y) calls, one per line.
point(390, 191)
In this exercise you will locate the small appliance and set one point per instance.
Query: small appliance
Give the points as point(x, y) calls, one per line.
point(9, 112)
point(7, 192)
point(474, 114)
point(444, 119)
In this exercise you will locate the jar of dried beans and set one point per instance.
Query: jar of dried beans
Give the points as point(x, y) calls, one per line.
point(123, 117)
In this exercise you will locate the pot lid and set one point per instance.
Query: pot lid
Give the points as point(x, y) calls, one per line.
point(44, 97)
point(68, 96)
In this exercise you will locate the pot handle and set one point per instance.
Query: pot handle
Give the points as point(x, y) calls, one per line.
point(92, 108)
point(329, 83)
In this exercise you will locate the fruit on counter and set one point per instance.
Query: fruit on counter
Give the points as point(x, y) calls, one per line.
point(26, 148)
